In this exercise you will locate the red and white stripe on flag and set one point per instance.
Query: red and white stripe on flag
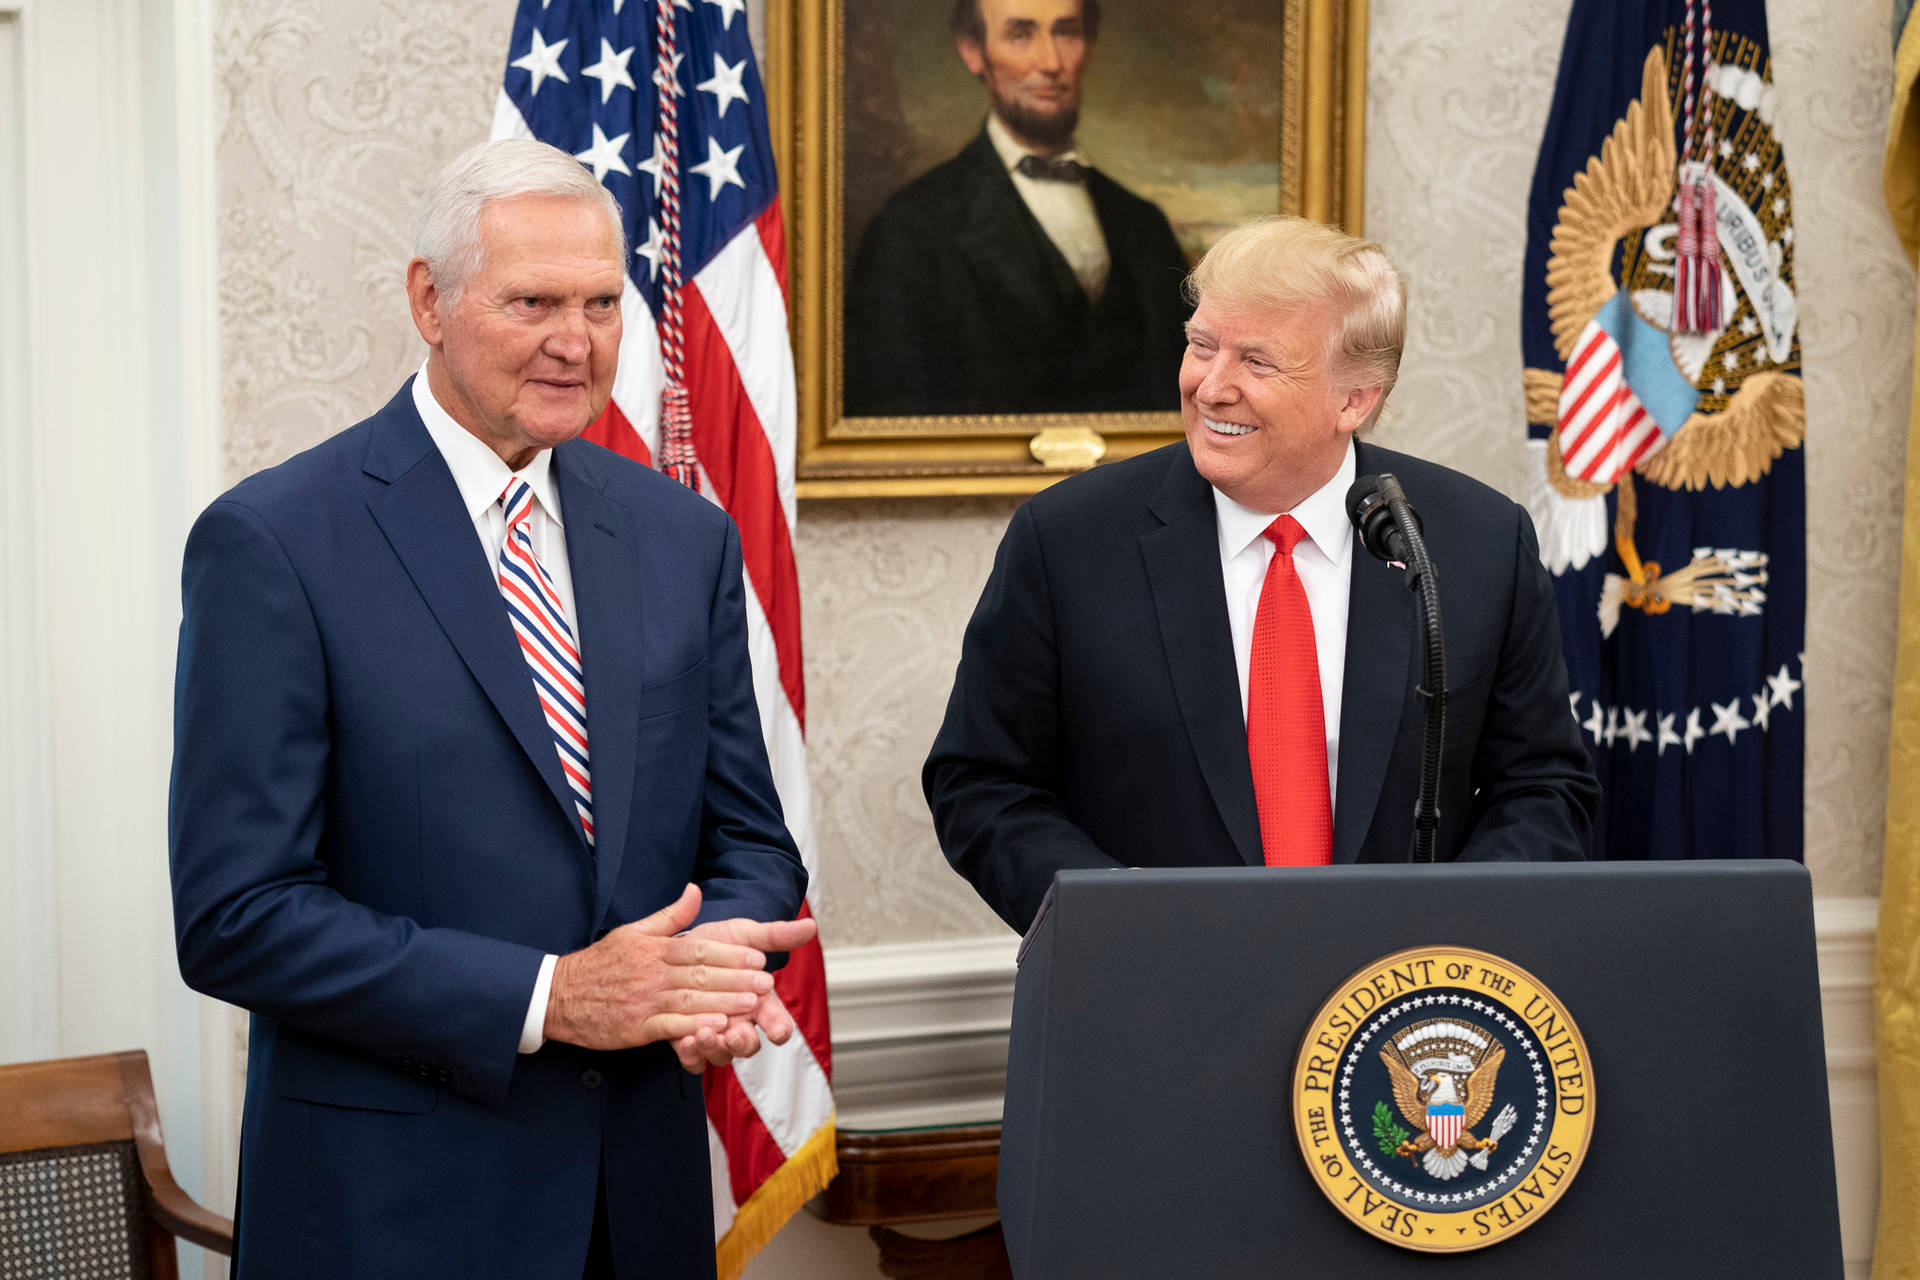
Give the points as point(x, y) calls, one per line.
point(1444, 1126)
point(770, 1117)
point(1604, 429)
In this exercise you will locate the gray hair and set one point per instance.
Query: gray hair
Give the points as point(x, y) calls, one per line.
point(446, 231)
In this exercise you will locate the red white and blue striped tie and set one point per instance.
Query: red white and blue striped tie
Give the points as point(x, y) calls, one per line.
point(546, 641)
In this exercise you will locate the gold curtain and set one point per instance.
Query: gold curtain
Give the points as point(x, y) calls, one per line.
point(1896, 1254)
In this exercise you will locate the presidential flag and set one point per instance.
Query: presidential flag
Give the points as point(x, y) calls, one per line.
point(1665, 420)
point(663, 101)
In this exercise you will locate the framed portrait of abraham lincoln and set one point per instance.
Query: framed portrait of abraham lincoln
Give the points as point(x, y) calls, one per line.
point(992, 206)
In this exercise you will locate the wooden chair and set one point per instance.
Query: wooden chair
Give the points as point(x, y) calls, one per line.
point(85, 1192)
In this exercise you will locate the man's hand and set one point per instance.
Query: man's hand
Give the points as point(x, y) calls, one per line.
point(640, 983)
point(740, 1038)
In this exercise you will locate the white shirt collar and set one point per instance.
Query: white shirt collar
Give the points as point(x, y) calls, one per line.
point(478, 471)
point(1011, 152)
point(1322, 514)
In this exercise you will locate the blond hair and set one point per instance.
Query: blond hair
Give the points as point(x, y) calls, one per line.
point(1281, 263)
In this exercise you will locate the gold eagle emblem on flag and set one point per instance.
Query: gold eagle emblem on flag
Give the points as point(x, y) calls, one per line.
point(1641, 396)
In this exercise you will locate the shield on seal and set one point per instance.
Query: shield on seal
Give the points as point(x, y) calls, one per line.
point(1444, 1122)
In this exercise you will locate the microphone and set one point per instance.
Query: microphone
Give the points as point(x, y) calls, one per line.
point(1390, 530)
point(1370, 506)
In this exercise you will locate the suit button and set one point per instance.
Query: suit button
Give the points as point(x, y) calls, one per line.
point(443, 1076)
point(591, 1078)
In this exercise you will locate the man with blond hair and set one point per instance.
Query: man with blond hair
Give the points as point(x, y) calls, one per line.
point(1184, 659)
point(471, 808)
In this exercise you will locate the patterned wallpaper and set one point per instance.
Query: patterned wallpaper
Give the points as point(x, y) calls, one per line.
point(334, 113)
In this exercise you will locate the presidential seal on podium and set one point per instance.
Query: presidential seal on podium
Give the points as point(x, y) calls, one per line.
point(1443, 1099)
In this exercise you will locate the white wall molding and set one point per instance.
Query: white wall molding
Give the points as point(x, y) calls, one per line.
point(1844, 935)
point(27, 998)
point(109, 392)
point(920, 1031)
point(920, 1038)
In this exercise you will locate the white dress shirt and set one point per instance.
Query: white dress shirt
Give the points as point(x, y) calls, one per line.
point(481, 476)
point(1323, 559)
point(1064, 210)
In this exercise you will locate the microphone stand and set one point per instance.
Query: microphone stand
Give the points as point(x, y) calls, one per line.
point(1433, 691)
point(1390, 530)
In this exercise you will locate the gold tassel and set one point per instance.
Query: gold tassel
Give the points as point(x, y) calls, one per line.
point(805, 1174)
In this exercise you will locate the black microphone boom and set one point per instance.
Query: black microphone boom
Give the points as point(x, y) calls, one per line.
point(1390, 531)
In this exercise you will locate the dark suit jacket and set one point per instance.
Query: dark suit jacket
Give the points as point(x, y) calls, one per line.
point(958, 303)
point(1095, 718)
point(372, 847)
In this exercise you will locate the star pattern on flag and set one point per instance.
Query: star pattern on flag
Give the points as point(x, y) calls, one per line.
point(623, 138)
point(604, 155)
point(651, 247)
point(1728, 720)
point(655, 166)
point(1782, 687)
point(1633, 728)
point(1694, 731)
point(542, 61)
point(725, 84)
point(611, 71)
point(1607, 725)
point(719, 168)
point(727, 9)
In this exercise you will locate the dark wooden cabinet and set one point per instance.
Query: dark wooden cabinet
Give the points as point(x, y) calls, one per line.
point(893, 1177)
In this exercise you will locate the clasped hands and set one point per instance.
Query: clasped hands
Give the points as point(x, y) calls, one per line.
point(705, 989)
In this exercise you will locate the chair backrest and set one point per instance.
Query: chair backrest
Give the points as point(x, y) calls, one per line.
point(84, 1184)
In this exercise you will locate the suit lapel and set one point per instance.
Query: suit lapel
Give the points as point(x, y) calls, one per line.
point(1374, 692)
point(1183, 570)
point(1006, 245)
point(421, 514)
point(606, 581)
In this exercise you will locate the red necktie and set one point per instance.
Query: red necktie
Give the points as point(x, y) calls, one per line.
point(1286, 730)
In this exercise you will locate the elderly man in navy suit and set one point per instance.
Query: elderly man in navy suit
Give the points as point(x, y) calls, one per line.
point(1016, 277)
point(1183, 659)
point(470, 805)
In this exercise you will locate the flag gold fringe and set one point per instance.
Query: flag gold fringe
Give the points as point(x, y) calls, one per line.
point(1896, 1254)
point(805, 1174)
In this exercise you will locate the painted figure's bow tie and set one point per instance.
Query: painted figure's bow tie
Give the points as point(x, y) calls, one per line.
point(1055, 170)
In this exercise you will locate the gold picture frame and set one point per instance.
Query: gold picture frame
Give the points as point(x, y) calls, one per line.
point(1322, 114)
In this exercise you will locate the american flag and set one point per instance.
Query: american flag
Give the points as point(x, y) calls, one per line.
point(661, 99)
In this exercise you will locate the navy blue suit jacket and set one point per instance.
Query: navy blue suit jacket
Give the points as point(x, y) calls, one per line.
point(373, 846)
point(1095, 719)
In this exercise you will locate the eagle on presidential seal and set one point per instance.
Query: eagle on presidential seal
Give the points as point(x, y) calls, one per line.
point(1443, 1073)
point(1642, 395)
